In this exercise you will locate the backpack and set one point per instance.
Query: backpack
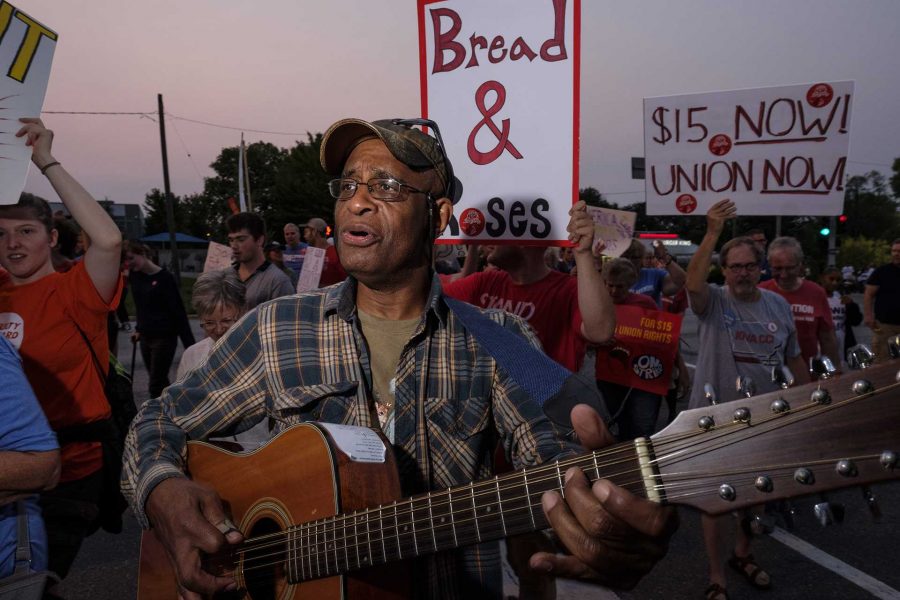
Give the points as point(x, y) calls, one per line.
point(111, 432)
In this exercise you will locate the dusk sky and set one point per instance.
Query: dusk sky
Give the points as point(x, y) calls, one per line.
point(295, 66)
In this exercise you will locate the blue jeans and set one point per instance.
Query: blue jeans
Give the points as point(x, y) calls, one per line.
point(635, 411)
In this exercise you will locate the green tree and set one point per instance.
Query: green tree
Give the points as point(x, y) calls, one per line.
point(301, 186)
point(861, 252)
point(870, 211)
point(592, 197)
point(155, 209)
point(895, 178)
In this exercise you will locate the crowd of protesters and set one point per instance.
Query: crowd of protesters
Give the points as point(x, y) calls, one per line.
point(59, 317)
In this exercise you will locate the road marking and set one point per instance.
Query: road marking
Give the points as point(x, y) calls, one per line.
point(851, 574)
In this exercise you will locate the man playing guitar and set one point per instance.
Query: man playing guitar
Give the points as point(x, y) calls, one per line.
point(382, 348)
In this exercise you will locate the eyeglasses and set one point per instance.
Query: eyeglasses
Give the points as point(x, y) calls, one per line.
point(381, 188)
point(784, 268)
point(211, 325)
point(432, 126)
point(748, 267)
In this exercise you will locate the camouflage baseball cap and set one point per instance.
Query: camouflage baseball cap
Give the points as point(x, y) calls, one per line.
point(409, 145)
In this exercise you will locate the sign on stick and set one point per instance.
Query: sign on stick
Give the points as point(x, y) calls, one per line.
point(26, 51)
point(500, 78)
point(773, 151)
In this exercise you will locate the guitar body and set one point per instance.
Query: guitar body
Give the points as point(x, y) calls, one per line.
point(298, 476)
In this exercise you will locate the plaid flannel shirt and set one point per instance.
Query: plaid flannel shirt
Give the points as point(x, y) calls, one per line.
point(304, 358)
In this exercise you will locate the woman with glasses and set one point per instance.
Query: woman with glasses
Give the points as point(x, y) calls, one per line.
point(161, 318)
point(220, 301)
point(745, 332)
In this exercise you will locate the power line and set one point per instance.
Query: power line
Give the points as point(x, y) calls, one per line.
point(186, 151)
point(244, 129)
point(86, 112)
point(874, 164)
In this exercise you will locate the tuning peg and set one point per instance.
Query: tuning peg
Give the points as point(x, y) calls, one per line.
point(872, 503)
point(745, 386)
point(860, 357)
point(893, 344)
point(821, 367)
point(828, 513)
point(709, 392)
point(782, 377)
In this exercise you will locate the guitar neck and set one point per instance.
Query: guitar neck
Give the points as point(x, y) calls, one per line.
point(794, 442)
point(482, 511)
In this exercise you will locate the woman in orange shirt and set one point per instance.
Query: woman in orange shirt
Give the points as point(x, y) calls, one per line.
point(57, 321)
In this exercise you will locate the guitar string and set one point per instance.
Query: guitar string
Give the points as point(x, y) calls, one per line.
point(490, 486)
point(492, 492)
point(330, 556)
point(325, 530)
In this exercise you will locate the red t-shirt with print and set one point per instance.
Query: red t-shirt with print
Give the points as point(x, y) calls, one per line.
point(550, 306)
point(809, 305)
point(39, 319)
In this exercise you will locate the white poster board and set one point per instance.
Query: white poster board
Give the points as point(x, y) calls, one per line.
point(614, 227)
point(311, 273)
point(500, 78)
point(26, 52)
point(218, 256)
point(773, 151)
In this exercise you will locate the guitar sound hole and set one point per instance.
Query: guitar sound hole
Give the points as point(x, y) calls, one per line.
point(264, 571)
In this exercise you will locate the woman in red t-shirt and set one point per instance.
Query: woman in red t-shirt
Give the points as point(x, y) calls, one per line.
point(47, 316)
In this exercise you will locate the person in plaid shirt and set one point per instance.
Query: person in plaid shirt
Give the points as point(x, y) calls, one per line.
point(383, 349)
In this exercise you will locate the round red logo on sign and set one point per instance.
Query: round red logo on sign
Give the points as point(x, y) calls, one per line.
point(686, 204)
point(471, 221)
point(819, 95)
point(720, 144)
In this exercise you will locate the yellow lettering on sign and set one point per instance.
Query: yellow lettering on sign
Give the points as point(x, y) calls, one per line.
point(28, 48)
point(6, 12)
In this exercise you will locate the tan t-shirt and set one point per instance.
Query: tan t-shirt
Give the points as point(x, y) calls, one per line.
point(386, 339)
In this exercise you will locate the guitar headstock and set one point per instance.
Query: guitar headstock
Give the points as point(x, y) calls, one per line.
point(838, 432)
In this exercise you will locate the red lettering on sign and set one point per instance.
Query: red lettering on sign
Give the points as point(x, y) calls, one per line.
point(502, 134)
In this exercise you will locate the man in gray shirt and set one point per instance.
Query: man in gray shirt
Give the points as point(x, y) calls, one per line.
point(744, 331)
point(263, 280)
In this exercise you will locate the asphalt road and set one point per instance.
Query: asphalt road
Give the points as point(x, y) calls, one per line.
point(856, 559)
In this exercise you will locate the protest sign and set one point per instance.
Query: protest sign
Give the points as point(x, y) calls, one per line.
point(26, 51)
point(218, 256)
point(643, 351)
point(773, 151)
point(311, 273)
point(500, 78)
point(615, 228)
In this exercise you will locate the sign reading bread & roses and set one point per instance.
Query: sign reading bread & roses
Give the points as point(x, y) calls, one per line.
point(500, 78)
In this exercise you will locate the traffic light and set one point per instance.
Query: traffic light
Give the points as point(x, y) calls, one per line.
point(842, 219)
point(825, 232)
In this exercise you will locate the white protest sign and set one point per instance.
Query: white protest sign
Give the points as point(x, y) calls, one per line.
point(773, 151)
point(500, 78)
point(614, 227)
point(26, 51)
point(311, 273)
point(218, 256)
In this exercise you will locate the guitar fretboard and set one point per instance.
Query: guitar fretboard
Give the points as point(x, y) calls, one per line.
point(487, 510)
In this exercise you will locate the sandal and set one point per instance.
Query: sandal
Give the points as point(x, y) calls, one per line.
point(752, 572)
point(715, 592)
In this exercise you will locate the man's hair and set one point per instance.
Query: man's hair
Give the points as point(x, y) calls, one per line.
point(294, 225)
point(736, 242)
point(621, 270)
point(756, 231)
point(67, 236)
point(788, 243)
point(829, 271)
point(895, 242)
point(636, 250)
point(252, 222)
point(135, 247)
point(218, 289)
point(29, 208)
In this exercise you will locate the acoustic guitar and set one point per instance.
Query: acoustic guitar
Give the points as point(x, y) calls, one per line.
point(321, 522)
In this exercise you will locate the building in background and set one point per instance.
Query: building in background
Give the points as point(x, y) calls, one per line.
point(128, 217)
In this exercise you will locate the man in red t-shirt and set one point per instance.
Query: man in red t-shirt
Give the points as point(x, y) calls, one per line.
point(563, 310)
point(809, 303)
point(315, 232)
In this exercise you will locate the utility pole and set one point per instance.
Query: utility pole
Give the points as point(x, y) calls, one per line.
point(170, 206)
point(832, 242)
